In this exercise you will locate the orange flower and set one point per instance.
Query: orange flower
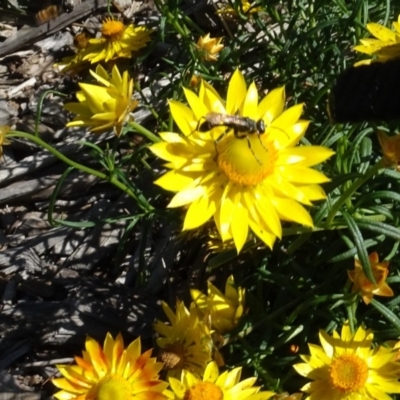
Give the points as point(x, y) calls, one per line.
point(363, 285)
point(390, 148)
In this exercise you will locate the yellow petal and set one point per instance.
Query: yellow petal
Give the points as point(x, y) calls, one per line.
point(236, 93)
point(381, 32)
point(302, 175)
point(240, 226)
point(183, 117)
point(272, 105)
point(187, 196)
point(199, 212)
point(174, 181)
point(291, 210)
point(250, 104)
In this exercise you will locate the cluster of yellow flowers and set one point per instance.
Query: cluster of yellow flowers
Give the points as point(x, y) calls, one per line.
point(345, 367)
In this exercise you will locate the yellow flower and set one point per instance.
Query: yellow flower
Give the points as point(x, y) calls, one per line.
point(104, 107)
point(117, 40)
point(214, 386)
point(246, 8)
point(224, 310)
point(243, 179)
point(186, 343)
point(347, 368)
point(4, 129)
point(363, 285)
point(209, 48)
point(390, 148)
point(386, 46)
point(111, 373)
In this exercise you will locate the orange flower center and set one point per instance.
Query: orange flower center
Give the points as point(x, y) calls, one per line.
point(111, 387)
point(173, 356)
point(245, 161)
point(112, 29)
point(204, 391)
point(348, 373)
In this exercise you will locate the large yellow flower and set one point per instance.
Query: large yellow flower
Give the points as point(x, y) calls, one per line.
point(104, 107)
point(242, 179)
point(386, 44)
point(347, 368)
point(214, 386)
point(224, 310)
point(117, 40)
point(111, 373)
point(186, 342)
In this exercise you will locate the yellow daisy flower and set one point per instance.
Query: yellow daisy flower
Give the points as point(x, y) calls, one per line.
point(347, 368)
point(224, 166)
point(214, 386)
point(111, 372)
point(117, 40)
point(104, 107)
point(363, 285)
point(224, 309)
point(386, 44)
point(186, 342)
point(3, 139)
point(209, 48)
point(246, 8)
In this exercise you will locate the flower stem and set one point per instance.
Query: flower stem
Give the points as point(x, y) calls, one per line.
point(142, 202)
point(144, 132)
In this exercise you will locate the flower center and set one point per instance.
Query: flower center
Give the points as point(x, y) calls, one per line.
point(173, 356)
point(348, 373)
point(204, 391)
point(111, 387)
point(112, 29)
point(246, 161)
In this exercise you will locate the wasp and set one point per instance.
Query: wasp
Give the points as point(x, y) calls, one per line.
point(48, 13)
point(242, 127)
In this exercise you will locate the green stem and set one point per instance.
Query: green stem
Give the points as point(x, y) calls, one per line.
point(144, 132)
point(349, 191)
point(143, 204)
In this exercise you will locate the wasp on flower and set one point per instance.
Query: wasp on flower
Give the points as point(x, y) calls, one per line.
point(216, 175)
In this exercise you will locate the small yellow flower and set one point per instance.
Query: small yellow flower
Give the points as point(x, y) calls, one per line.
point(386, 46)
point(117, 41)
point(111, 372)
point(3, 139)
point(224, 310)
point(246, 8)
point(347, 368)
point(104, 107)
point(390, 146)
point(209, 48)
point(363, 285)
point(215, 386)
point(186, 342)
point(252, 181)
